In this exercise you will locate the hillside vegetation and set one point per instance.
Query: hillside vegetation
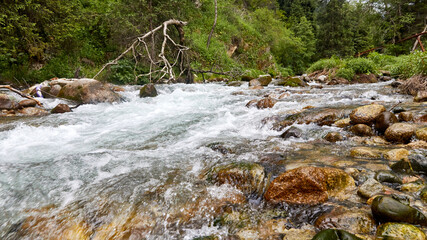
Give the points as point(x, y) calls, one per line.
point(42, 39)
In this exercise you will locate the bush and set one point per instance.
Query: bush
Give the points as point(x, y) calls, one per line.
point(346, 73)
point(382, 60)
point(123, 73)
point(325, 64)
point(409, 65)
point(361, 65)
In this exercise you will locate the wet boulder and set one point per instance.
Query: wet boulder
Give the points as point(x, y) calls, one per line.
point(292, 132)
point(366, 114)
point(148, 90)
point(386, 209)
point(362, 130)
point(385, 120)
point(248, 177)
point(262, 80)
point(399, 231)
point(291, 82)
point(387, 176)
point(406, 116)
point(88, 91)
point(319, 116)
point(335, 234)
point(55, 90)
point(397, 154)
point(342, 123)
point(61, 108)
point(416, 163)
point(27, 103)
point(400, 132)
point(333, 137)
point(32, 112)
point(7, 103)
point(235, 83)
point(308, 185)
point(353, 220)
point(422, 134)
point(266, 103)
point(421, 96)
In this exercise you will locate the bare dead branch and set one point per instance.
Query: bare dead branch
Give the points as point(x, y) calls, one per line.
point(167, 67)
point(21, 94)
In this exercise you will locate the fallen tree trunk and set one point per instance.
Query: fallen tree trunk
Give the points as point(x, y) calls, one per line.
point(21, 94)
point(165, 66)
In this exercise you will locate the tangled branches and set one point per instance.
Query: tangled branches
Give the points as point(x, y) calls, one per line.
point(163, 68)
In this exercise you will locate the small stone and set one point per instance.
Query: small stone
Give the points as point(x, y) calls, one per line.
point(251, 103)
point(387, 176)
point(256, 87)
point(32, 112)
point(148, 90)
point(423, 195)
point(353, 220)
point(421, 96)
point(362, 130)
point(406, 116)
point(61, 108)
point(411, 187)
point(235, 83)
point(333, 137)
point(298, 234)
point(375, 140)
point(370, 188)
point(400, 132)
point(418, 145)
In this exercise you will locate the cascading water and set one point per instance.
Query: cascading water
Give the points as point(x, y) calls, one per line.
point(149, 155)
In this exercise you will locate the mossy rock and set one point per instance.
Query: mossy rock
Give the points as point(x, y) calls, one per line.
point(399, 231)
point(335, 234)
point(291, 82)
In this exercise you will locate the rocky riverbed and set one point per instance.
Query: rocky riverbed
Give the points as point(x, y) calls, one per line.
point(210, 161)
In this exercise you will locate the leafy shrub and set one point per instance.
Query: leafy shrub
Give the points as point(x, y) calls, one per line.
point(361, 65)
point(346, 73)
point(325, 64)
point(409, 65)
point(382, 60)
point(123, 73)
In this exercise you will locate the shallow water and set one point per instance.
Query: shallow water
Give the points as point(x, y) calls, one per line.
point(122, 153)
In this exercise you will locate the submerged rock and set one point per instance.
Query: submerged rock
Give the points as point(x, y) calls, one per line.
point(88, 91)
point(400, 132)
point(387, 176)
point(416, 163)
point(421, 96)
point(333, 137)
point(33, 111)
point(342, 123)
point(235, 83)
point(292, 132)
point(364, 152)
point(386, 209)
point(399, 231)
point(385, 120)
point(335, 234)
point(366, 114)
point(370, 188)
point(308, 185)
point(362, 130)
point(148, 90)
point(248, 177)
point(61, 108)
point(353, 220)
point(396, 154)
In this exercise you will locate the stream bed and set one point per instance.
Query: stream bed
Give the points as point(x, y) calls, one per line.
point(139, 169)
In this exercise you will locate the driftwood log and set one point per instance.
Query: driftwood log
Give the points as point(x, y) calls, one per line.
point(164, 65)
point(21, 94)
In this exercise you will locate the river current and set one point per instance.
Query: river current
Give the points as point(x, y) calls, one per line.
point(120, 151)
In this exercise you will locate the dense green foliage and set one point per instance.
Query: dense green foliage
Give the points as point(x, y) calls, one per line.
point(42, 39)
point(403, 66)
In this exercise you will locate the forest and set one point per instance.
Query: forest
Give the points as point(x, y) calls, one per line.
point(43, 39)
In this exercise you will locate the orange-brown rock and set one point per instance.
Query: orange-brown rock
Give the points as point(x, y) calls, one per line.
point(308, 185)
point(266, 103)
point(27, 103)
point(366, 114)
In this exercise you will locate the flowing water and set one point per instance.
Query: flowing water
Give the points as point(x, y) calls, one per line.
point(149, 155)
